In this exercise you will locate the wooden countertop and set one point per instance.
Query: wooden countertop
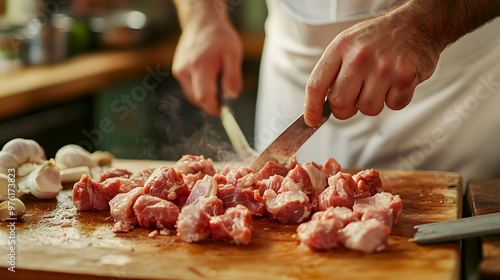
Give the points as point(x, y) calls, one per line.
point(38, 86)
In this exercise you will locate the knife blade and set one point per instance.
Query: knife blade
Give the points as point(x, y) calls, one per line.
point(290, 140)
point(233, 131)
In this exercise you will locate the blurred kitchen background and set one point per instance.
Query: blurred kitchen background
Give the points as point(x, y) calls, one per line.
point(97, 73)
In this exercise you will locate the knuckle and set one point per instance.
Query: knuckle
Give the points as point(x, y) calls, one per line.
point(400, 101)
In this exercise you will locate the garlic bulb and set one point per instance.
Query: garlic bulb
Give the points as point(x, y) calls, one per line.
point(19, 151)
point(12, 208)
point(43, 182)
point(72, 155)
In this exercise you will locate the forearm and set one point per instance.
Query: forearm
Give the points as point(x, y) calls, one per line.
point(201, 12)
point(442, 22)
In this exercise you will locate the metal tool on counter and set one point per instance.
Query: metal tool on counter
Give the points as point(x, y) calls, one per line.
point(290, 140)
point(233, 131)
point(458, 229)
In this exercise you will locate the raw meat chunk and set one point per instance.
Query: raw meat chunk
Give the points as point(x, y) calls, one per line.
point(318, 183)
point(232, 196)
point(125, 184)
point(320, 234)
point(167, 183)
point(88, 195)
point(190, 164)
point(367, 236)
point(204, 196)
point(143, 175)
point(344, 214)
point(193, 224)
point(379, 203)
point(220, 179)
point(234, 225)
point(292, 162)
point(371, 178)
point(301, 179)
point(242, 177)
point(330, 168)
point(121, 209)
point(272, 168)
point(273, 183)
point(153, 211)
point(289, 206)
point(340, 192)
point(113, 173)
point(191, 179)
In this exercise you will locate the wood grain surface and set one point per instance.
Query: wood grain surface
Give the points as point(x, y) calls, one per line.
point(484, 198)
point(53, 238)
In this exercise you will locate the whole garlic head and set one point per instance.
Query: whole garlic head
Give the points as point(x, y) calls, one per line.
point(44, 182)
point(19, 151)
point(72, 155)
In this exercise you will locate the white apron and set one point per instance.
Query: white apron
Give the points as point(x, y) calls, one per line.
point(452, 123)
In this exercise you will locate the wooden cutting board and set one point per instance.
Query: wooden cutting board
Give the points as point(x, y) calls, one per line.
point(483, 197)
point(53, 237)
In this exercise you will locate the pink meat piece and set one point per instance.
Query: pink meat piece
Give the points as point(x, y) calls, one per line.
point(380, 205)
point(320, 233)
point(193, 224)
point(143, 175)
point(220, 179)
point(366, 236)
point(204, 196)
point(191, 179)
point(243, 177)
point(289, 206)
point(234, 225)
point(190, 164)
point(330, 168)
point(232, 196)
point(318, 183)
point(292, 162)
point(113, 173)
point(152, 211)
point(301, 179)
point(340, 192)
point(371, 178)
point(167, 183)
point(273, 183)
point(362, 190)
point(226, 170)
point(343, 214)
point(125, 184)
point(88, 195)
point(121, 208)
point(272, 168)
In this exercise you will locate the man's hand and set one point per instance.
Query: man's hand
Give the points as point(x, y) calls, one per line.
point(382, 60)
point(209, 47)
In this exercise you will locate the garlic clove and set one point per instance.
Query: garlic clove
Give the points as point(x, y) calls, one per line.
point(72, 175)
point(6, 189)
point(103, 158)
point(12, 208)
point(25, 150)
point(72, 155)
point(7, 161)
point(44, 182)
point(26, 168)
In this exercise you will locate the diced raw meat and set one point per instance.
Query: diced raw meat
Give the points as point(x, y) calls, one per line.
point(113, 173)
point(318, 183)
point(234, 225)
point(344, 214)
point(242, 177)
point(88, 195)
point(125, 184)
point(340, 192)
point(371, 178)
point(292, 162)
point(383, 215)
point(379, 202)
point(289, 206)
point(366, 236)
point(272, 168)
point(193, 224)
point(273, 183)
point(220, 179)
point(143, 175)
point(362, 190)
point(204, 196)
point(191, 179)
point(190, 164)
point(300, 177)
point(152, 211)
point(232, 196)
point(226, 170)
point(320, 234)
point(167, 183)
point(330, 168)
point(121, 208)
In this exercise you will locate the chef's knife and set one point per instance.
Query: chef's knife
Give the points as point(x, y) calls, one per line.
point(290, 140)
point(233, 131)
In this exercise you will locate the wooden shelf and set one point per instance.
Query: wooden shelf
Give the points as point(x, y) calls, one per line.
point(39, 86)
